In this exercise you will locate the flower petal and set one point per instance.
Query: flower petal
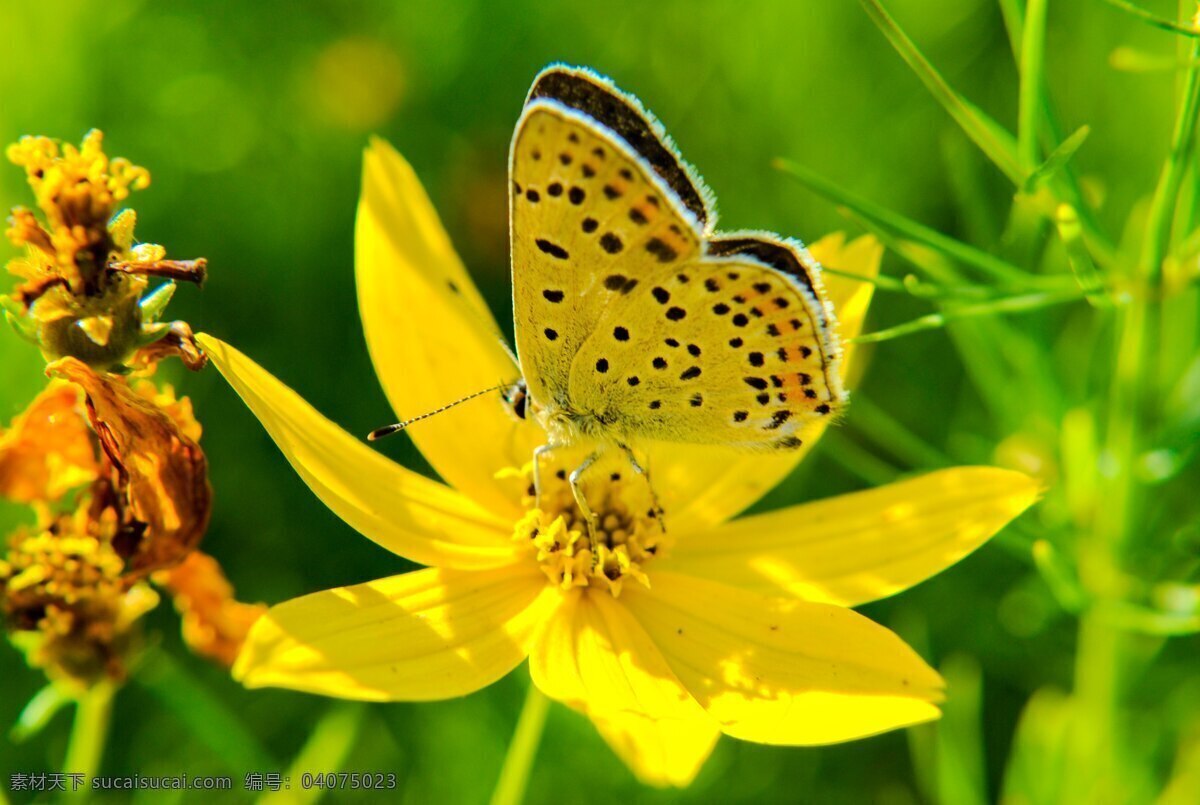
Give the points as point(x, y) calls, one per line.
point(863, 546)
point(430, 634)
point(702, 485)
point(431, 336)
point(47, 451)
point(784, 671)
point(596, 658)
point(400, 510)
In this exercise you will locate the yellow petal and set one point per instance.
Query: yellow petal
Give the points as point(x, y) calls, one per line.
point(784, 671)
point(863, 546)
point(701, 485)
point(430, 634)
point(431, 336)
point(400, 510)
point(850, 298)
point(594, 657)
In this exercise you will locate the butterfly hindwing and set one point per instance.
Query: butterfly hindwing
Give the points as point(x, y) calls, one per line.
point(589, 218)
point(725, 349)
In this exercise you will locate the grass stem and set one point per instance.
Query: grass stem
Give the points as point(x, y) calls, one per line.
point(518, 763)
point(1011, 304)
point(89, 733)
point(1029, 100)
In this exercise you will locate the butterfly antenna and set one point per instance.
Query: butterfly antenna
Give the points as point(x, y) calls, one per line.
point(388, 430)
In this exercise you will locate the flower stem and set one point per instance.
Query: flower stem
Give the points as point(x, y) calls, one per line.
point(1100, 747)
point(89, 732)
point(514, 776)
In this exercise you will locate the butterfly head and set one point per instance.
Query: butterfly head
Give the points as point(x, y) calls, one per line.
point(516, 399)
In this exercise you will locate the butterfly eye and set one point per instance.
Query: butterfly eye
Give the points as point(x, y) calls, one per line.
point(516, 398)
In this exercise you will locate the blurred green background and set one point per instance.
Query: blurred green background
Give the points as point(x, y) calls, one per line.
point(252, 117)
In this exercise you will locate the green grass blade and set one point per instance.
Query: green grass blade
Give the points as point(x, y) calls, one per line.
point(203, 713)
point(1162, 207)
point(1058, 158)
point(1059, 576)
point(857, 460)
point(1131, 60)
point(325, 752)
point(1029, 99)
point(1065, 184)
point(911, 285)
point(1013, 14)
point(38, 713)
point(1153, 19)
point(1134, 618)
point(1011, 304)
point(1067, 223)
point(997, 143)
point(992, 266)
point(881, 428)
point(1040, 756)
point(960, 755)
point(969, 188)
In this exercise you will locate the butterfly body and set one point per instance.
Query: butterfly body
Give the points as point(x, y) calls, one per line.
point(634, 319)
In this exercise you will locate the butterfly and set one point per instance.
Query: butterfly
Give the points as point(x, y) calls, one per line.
point(634, 318)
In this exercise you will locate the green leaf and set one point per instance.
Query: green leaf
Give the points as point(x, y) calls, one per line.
point(1039, 755)
point(38, 713)
point(15, 312)
point(1058, 158)
point(22, 327)
point(154, 303)
point(992, 138)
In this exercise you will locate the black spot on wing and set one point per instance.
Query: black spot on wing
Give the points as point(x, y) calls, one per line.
point(552, 249)
point(602, 103)
point(661, 250)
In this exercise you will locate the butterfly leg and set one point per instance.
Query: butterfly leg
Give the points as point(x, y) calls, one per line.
point(638, 469)
point(538, 452)
point(575, 480)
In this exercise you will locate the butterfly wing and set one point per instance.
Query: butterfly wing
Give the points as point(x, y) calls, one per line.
point(629, 309)
point(589, 213)
point(734, 347)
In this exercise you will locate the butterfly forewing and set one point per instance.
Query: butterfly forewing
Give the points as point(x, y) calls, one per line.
point(589, 220)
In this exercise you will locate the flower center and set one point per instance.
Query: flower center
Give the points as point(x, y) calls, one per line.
point(625, 535)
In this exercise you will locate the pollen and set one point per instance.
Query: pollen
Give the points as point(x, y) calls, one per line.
point(626, 535)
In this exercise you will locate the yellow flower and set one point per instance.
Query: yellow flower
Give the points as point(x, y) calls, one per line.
point(735, 626)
